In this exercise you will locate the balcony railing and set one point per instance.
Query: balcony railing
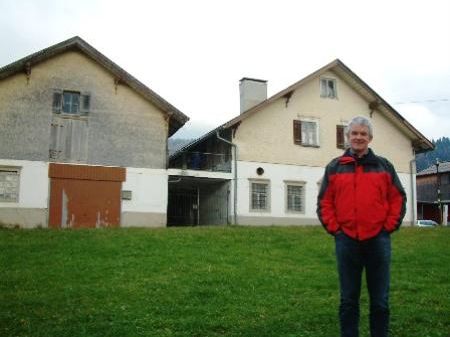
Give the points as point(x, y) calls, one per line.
point(214, 162)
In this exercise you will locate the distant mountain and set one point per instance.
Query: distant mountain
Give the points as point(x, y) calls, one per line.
point(441, 152)
point(177, 143)
point(193, 129)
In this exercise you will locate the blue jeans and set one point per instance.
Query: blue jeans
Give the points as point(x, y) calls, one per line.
point(373, 255)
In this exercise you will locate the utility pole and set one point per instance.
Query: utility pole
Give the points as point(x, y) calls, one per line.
point(438, 191)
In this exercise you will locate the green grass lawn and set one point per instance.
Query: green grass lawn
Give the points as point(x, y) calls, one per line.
point(216, 281)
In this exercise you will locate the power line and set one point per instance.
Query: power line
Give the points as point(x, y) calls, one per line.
point(424, 101)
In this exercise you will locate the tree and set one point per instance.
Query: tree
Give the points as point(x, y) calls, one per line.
point(441, 152)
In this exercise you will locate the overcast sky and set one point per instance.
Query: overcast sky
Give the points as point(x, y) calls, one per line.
point(194, 52)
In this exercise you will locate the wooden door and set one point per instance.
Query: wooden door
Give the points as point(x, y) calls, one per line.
point(85, 196)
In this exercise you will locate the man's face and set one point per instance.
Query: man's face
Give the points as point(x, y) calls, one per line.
point(359, 139)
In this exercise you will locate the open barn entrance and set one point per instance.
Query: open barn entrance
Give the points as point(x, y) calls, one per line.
point(197, 201)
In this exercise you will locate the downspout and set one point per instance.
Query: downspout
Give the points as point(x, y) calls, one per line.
point(412, 169)
point(235, 175)
point(167, 117)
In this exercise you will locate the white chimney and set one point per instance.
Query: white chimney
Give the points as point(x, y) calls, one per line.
point(252, 92)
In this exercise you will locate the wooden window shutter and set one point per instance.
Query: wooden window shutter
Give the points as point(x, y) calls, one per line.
point(57, 101)
point(297, 132)
point(340, 137)
point(323, 88)
point(85, 105)
point(56, 133)
point(77, 141)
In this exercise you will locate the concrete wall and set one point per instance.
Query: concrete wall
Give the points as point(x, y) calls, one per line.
point(147, 208)
point(124, 128)
point(148, 205)
point(267, 135)
point(31, 208)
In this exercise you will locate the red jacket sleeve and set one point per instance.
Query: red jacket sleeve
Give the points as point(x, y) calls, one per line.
point(326, 210)
point(397, 202)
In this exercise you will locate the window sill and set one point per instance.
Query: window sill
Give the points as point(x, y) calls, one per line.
point(259, 210)
point(290, 212)
point(71, 116)
point(308, 145)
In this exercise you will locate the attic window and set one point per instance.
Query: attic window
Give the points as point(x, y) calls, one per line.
point(71, 102)
point(328, 88)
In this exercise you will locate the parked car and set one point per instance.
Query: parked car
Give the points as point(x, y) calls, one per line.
point(426, 223)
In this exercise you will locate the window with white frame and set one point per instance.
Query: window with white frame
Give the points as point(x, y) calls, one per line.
point(259, 195)
point(306, 132)
point(295, 196)
point(328, 88)
point(9, 184)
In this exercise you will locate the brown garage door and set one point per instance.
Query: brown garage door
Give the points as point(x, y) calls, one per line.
point(84, 196)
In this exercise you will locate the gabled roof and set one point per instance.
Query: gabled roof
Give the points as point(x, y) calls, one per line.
point(443, 167)
point(375, 102)
point(177, 118)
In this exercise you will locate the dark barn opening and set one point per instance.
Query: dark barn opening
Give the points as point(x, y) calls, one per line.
point(197, 201)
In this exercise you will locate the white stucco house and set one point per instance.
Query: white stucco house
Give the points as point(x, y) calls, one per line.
point(264, 167)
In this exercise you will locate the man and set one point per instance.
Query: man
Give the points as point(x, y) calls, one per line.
point(361, 201)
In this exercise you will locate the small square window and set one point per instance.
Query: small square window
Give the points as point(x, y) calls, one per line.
point(295, 197)
point(259, 195)
point(9, 184)
point(328, 88)
point(71, 102)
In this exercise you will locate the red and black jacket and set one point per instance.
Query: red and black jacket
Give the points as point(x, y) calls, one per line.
point(361, 196)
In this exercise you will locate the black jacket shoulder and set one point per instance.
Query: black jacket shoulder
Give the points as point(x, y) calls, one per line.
point(386, 163)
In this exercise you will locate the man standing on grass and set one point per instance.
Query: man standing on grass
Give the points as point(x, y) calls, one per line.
point(361, 201)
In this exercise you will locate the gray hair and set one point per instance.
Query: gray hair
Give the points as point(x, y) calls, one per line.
point(360, 120)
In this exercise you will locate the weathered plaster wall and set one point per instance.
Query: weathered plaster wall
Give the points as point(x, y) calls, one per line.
point(124, 129)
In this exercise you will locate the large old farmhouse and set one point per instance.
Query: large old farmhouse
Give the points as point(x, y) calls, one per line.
point(83, 142)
